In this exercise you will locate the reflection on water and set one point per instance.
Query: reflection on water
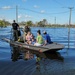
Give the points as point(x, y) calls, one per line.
point(46, 63)
point(42, 59)
point(17, 54)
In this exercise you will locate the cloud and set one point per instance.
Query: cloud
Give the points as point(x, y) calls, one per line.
point(24, 16)
point(27, 16)
point(6, 7)
point(19, 16)
point(6, 19)
point(10, 20)
point(42, 11)
point(1, 18)
point(35, 6)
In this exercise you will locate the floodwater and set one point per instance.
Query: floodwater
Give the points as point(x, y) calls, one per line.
point(59, 63)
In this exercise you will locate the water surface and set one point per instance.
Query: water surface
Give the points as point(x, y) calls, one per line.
point(60, 63)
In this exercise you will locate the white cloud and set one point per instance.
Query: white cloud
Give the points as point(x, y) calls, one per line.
point(6, 19)
point(6, 7)
point(35, 6)
point(27, 16)
point(24, 16)
point(1, 18)
point(19, 16)
point(10, 20)
point(42, 11)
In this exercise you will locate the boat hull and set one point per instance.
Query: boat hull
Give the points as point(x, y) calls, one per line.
point(25, 47)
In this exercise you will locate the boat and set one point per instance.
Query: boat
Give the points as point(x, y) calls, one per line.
point(25, 47)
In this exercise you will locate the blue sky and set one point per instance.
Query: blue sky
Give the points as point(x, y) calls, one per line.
point(36, 10)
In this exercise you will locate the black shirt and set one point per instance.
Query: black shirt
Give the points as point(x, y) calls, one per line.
point(15, 26)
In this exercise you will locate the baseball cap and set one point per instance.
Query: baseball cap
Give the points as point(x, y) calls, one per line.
point(44, 32)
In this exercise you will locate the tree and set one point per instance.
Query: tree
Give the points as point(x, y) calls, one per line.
point(44, 22)
point(4, 23)
point(1, 23)
point(22, 23)
point(29, 23)
point(40, 23)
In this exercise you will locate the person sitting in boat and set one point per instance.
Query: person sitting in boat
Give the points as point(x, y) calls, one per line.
point(21, 39)
point(33, 41)
point(29, 37)
point(27, 29)
point(47, 39)
point(39, 39)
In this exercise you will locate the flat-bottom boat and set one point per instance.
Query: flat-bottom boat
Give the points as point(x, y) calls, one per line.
point(48, 48)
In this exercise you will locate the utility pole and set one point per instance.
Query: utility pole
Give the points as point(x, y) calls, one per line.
point(16, 13)
point(70, 8)
point(55, 20)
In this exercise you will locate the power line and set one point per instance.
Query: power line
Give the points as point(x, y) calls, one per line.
point(73, 9)
point(44, 12)
point(58, 2)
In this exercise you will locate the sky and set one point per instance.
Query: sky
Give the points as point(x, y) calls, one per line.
point(55, 11)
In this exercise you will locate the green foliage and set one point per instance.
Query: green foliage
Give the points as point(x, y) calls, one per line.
point(29, 23)
point(4, 23)
point(42, 23)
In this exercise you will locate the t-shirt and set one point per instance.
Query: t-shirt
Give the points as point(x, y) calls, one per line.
point(15, 26)
point(47, 38)
point(40, 39)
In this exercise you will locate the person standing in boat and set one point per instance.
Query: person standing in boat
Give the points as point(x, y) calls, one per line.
point(47, 39)
point(39, 39)
point(15, 27)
